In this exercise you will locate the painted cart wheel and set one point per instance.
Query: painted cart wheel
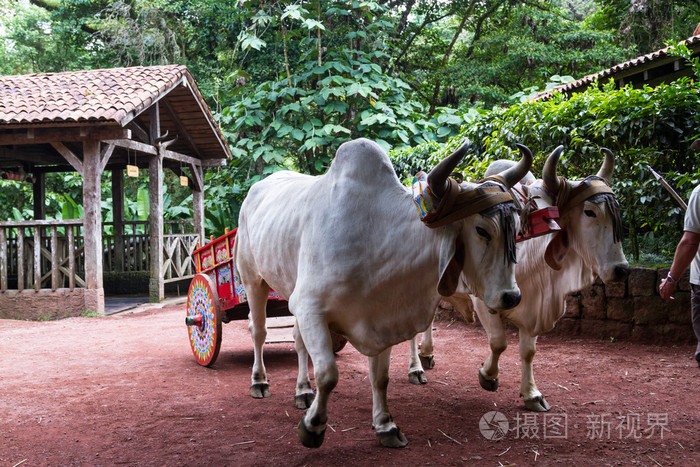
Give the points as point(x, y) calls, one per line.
point(204, 320)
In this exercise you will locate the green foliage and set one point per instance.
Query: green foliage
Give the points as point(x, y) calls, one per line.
point(519, 46)
point(290, 82)
point(70, 209)
point(648, 24)
point(652, 126)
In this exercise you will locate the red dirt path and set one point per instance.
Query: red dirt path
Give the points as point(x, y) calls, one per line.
point(126, 390)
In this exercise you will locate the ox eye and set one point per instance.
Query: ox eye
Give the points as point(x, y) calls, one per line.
point(589, 213)
point(483, 233)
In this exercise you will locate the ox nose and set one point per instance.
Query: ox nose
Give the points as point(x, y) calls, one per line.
point(511, 299)
point(621, 272)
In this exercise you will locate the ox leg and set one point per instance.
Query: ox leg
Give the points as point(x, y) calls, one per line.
point(495, 330)
point(416, 375)
point(317, 339)
point(388, 433)
point(528, 389)
point(303, 395)
point(257, 299)
point(426, 348)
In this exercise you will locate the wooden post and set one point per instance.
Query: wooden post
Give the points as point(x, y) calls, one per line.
point(4, 260)
point(20, 258)
point(198, 208)
point(37, 257)
point(54, 257)
point(39, 190)
point(92, 227)
point(71, 256)
point(156, 286)
point(118, 218)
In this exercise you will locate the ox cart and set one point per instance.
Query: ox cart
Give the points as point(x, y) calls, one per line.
point(216, 296)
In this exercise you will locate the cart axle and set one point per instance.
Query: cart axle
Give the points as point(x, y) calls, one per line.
point(194, 320)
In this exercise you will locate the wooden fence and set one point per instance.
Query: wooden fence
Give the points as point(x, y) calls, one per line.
point(42, 254)
point(48, 254)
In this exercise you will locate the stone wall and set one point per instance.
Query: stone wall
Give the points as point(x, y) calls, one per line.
point(632, 310)
point(628, 311)
point(50, 304)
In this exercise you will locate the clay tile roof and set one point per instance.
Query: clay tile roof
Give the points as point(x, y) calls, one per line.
point(111, 95)
point(603, 75)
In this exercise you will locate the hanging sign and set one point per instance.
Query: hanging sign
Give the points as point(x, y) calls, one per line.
point(184, 181)
point(132, 171)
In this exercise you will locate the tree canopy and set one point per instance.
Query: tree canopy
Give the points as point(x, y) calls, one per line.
point(289, 81)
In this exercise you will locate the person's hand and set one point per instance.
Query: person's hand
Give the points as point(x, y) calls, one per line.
point(666, 289)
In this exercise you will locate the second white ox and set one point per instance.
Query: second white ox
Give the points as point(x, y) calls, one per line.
point(349, 253)
point(549, 268)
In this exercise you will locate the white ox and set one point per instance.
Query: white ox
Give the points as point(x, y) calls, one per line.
point(349, 253)
point(549, 268)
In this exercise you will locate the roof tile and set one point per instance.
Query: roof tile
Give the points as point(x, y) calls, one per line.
point(91, 95)
point(635, 62)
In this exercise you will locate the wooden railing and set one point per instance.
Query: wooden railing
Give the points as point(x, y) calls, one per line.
point(179, 242)
point(41, 254)
point(137, 247)
point(48, 254)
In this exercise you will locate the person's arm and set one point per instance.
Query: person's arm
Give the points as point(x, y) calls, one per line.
point(685, 252)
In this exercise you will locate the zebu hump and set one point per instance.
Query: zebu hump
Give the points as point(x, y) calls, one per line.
point(365, 160)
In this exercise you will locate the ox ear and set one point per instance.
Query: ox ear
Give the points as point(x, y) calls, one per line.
point(451, 262)
point(557, 249)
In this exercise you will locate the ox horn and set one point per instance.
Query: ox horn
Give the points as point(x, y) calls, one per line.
point(606, 170)
point(516, 173)
point(437, 178)
point(549, 172)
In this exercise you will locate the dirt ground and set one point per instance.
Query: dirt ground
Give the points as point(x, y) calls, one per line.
point(126, 390)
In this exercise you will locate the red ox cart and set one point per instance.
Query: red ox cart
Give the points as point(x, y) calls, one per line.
point(216, 296)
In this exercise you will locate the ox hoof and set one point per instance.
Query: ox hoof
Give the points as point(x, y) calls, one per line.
point(537, 404)
point(427, 361)
point(308, 438)
point(392, 438)
point(260, 390)
point(488, 384)
point(417, 377)
point(303, 401)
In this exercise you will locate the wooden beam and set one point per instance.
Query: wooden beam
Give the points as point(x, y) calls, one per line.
point(69, 156)
point(51, 135)
point(197, 177)
point(213, 162)
point(4, 260)
point(37, 258)
point(182, 131)
point(154, 117)
point(39, 195)
point(198, 206)
point(176, 156)
point(118, 217)
point(156, 286)
point(105, 155)
point(139, 132)
point(204, 108)
point(92, 215)
point(47, 222)
point(136, 146)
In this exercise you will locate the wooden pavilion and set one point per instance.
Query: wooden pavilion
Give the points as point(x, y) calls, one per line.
point(92, 122)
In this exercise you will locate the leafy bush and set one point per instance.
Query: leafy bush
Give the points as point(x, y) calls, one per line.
point(653, 126)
